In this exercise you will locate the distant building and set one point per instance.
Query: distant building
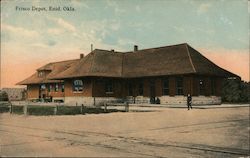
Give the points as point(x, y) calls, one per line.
point(166, 74)
point(15, 94)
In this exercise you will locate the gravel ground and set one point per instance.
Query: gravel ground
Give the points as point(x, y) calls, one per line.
point(163, 132)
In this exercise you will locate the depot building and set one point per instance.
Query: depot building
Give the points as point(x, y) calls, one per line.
point(164, 75)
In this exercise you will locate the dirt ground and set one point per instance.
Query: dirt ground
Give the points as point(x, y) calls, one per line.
point(169, 132)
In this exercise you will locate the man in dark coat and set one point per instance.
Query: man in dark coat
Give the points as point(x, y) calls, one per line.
point(189, 101)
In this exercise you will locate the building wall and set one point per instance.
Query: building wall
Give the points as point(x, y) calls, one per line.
point(56, 95)
point(94, 90)
point(99, 87)
point(32, 91)
point(190, 86)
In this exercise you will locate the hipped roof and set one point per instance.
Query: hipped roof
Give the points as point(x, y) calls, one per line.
point(161, 61)
point(52, 69)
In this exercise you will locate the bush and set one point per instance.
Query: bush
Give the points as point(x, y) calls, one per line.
point(3, 96)
point(68, 110)
point(4, 109)
point(49, 110)
point(235, 91)
point(17, 109)
point(93, 110)
point(40, 110)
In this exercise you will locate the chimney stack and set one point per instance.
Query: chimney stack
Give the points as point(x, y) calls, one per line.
point(81, 56)
point(91, 47)
point(135, 48)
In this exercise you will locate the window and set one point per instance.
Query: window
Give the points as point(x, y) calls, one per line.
point(212, 86)
point(140, 88)
point(56, 87)
point(179, 86)
point(130, 89)
point(109, 87)
point(40, 73)
point(201, 87)
point(165, 86)
point(152, 88)
point(77, 85)
point(42, 87)
point(62, 88)
point(50, 87)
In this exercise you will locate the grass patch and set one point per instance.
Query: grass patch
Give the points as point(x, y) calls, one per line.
point(17, 109)
point(93, 110)
point(40, 110)
point(61, 110)
point(68, 110)
point(4, 109)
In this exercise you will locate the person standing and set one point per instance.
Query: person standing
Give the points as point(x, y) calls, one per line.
point(189, 101)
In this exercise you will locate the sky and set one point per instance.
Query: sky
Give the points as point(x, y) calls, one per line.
point(219, 29)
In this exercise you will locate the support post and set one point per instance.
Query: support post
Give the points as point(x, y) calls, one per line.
point(55, 110)
point(105, 107)
point(126, 107)
point(82, 109)
point(11, 108)
point(25, 109)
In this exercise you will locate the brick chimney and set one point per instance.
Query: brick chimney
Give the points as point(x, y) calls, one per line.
point(135, 48)
point(81, 56)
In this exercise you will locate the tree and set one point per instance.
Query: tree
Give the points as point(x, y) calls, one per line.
point(235, 91)
point(245, 92)
point(3, 96)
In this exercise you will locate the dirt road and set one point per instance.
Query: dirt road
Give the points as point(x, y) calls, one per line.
point(220, 132)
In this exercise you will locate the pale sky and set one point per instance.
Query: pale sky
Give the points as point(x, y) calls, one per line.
point(30, 39)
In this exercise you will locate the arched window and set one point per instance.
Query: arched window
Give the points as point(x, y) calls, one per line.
point(77, 85)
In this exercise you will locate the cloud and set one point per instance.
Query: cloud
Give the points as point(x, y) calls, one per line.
point(62, 23)
point(115, 6)
point(40, 45)
point(115, 26)
point(19, 30)
point(66, 25)
point(138, 8)
point(203, 8)
point(124, 41)
point(179, 29)
point(51, 43)
point(79, 3)
point(55, 31)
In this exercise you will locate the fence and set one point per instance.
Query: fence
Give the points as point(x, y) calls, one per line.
point(59, 109)
point(125, 105)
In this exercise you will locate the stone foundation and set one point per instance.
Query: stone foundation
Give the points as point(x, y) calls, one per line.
point(137, 100)
point(165, 100)
point(89, 101)
point(56, 99)
point(196, 100)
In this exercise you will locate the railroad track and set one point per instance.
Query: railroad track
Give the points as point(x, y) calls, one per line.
point(85, 138)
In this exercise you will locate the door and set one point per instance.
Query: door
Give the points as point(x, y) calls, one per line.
point(152, 91)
